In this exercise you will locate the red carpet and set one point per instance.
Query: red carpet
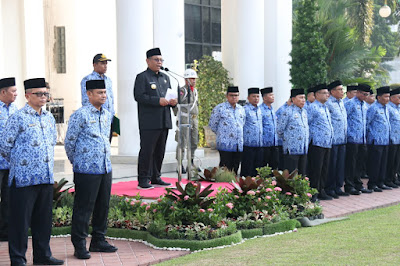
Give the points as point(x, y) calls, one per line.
point(130, 188)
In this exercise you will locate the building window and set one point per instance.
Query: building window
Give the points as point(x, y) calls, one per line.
point(59, 56)
point(202, 28)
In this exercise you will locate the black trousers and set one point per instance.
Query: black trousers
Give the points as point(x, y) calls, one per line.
point(230, 160)
point(353, 166)
point(377, 164)
point(281, 160)
point(151, 154)
point(30, 207)
point(293, 162)
point(362, 160)
point(319, 163)
point(271, 157)
point(393, 163)
point(4, 193)
point(92, 198)
point(336, 168)
point(252, 159)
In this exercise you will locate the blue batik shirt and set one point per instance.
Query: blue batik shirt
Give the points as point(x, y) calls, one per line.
point(356, 121)
point(5, 113)
point(109, 104)
point(394, 118)
point(87, 141)
point(346, 99)
point(338, 119)
point(227, 123)
point(27, 143)
point(253, 126)
point(378, 125)
point(278, 113)
point(294, 131)
point(320, 125)
point(270, 136)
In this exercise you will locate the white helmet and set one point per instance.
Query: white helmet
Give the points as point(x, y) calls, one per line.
point(190, 74)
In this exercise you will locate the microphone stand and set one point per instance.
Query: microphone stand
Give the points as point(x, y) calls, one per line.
point(181, 126)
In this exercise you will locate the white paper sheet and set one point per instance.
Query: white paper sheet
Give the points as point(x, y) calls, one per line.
point(171, 94)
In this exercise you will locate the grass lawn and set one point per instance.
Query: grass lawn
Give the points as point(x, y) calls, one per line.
point(367, 238)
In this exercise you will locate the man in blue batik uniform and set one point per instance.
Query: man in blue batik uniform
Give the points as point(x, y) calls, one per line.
point(292, 127)
point(310, 97)
point(8, 93)
point(321, 135)
point(392, 178)
point(270, 136)
point(227, 121)
point(350, 93)
point(28, 145)
point(338, 113)
point(378, 131)
point(88, 149)
point(252, 135)
point(279, 112)
point(100, 64)
point(356, 110)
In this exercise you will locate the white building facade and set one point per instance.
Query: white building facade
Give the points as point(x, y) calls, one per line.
point(57, 39)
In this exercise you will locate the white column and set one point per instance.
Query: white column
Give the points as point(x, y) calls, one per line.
point(134, 38)
point(34, 39)
point(228, 37)
point(278, 35)
point(2, 52)
point(169, 35)
point(248, 26)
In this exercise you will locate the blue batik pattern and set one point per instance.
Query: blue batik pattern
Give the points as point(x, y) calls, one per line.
point(394, 118)
point(253, 126)
point(5, 113)
point(294, 131)
point(227, 123)
point(87, 141)
point(378, 125)
point(320, 125)
point(356, 121)
point(27, 143)
point(278, 113)
point(338, 119)
point(109, 104)
point(270, 136)
point(346, 99)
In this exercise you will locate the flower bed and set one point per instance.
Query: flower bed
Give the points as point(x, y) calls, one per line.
point(254, 206)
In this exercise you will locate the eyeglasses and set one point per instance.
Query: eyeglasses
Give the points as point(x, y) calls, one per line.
point(324, 92)
point(41, 94)
point(158, 60)
point(233, 95)
point(365, 93)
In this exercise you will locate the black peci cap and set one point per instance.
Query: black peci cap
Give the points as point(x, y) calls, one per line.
point(7, 82)
point(152, 52)
point(334, 84)
point(364, 87)
point(395, 91)
point(34, 83)
point(295, 92)
point(232, 89)
point(266, 90)
point(95, 84)
point(253, 91)
point(382, 90)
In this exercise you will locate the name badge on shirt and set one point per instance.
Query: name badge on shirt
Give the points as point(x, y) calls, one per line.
point(296, 116)
point(93, 121)
point(32, 125)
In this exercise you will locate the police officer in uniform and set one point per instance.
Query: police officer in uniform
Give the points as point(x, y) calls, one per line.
point(154, 112)
point(186, 111)
point(356, 110)
point(338, 113)
point(88, 149)
point(227, 121)
point(252, 135)
point(378, 132)
point(321, 136)
point(28, 145)
point(393, 166)
point(270, 136)
point(8, 93)
point(292, 127)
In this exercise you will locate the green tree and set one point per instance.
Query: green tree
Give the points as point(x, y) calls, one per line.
point(308, 65)
point(212, 85)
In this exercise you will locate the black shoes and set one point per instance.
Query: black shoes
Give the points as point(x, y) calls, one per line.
point(82, 254)
point(332, 194)
point(18, 264)
point(48, 261)
point(323, 196)
point(375, 189)
point(391, 184)
point(384, 187)
point(102, 246)
point(145, 186)
point(365, 190)
point(340, 193)
point(161, 183)
point(353, 191)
